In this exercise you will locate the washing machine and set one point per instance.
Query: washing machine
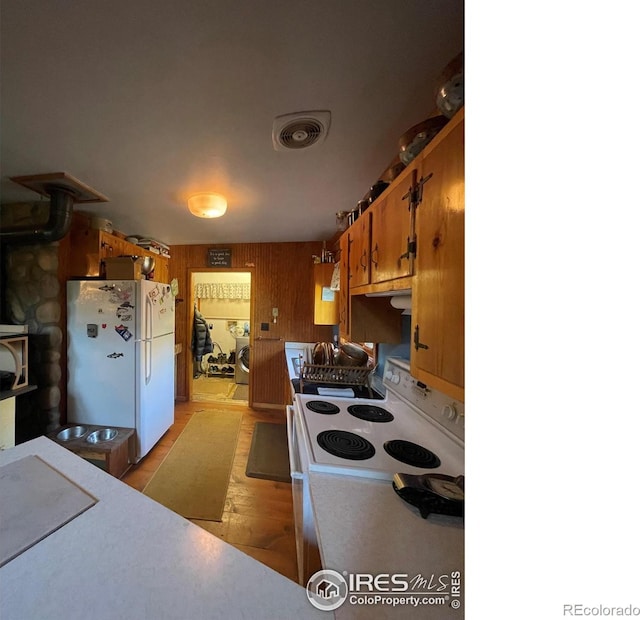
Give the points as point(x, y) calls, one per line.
point(242, 360)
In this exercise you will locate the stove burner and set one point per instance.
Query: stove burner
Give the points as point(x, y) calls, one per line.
point(346, 445)
point(322, 406)
point(411, 454)
point(370, 413)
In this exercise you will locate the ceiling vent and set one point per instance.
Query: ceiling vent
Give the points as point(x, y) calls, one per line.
point(300, 130)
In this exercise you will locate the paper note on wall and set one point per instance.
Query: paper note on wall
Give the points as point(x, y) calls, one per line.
point(327, 294)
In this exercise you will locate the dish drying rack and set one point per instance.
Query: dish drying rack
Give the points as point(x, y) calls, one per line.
point(336, 375)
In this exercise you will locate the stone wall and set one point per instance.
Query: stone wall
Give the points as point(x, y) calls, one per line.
point(34, 297)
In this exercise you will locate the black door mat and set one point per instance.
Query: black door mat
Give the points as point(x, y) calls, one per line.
point(269, 454)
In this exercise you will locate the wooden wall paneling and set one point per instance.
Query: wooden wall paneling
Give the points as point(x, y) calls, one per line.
point(267, 364)
point(283, 278)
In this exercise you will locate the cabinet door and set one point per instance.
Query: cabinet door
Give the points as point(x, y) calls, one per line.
point(115, 246)
point(360, 237)
point(438, 295)
point(161, 270)
point(390, 234)
point(84, 260)
point(325, 309)
point(343, 296)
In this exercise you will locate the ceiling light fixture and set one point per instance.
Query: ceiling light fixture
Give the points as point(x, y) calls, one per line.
point(207, 205)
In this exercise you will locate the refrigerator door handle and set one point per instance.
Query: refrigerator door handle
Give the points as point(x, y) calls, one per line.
point(148, 324)
point(148, 344)
point(148, 329)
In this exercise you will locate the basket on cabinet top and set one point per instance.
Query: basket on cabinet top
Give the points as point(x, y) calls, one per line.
point(336, 375)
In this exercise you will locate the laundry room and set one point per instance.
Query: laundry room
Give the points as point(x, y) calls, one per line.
point(223, 300)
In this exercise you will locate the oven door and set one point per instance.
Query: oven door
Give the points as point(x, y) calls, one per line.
point(297, 490)
point(307, 552)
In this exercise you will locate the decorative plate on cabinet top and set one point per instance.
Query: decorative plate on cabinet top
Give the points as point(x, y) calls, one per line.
point(416, 138)
point(450, 89)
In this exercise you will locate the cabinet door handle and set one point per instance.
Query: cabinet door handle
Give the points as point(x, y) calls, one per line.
point(411, 191)
point(419, 187)
point(416, 339)
point(363, 261)
point(411, 250)
point(414, 193)
point(375, 251)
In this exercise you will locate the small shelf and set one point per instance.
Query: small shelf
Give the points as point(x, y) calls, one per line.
point(17, 345)
point(217, 373)
point(25, 389)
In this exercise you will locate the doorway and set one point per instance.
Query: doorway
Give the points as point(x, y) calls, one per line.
point(223, 297)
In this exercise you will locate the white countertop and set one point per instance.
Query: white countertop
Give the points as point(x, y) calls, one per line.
point(129, 557)
point(363, 526)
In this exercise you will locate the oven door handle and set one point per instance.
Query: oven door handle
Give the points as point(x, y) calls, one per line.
point(294, 461)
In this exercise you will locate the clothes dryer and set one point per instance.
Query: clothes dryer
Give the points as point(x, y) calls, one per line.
point(242, 360)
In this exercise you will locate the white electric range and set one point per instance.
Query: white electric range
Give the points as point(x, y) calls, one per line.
point(413, 430)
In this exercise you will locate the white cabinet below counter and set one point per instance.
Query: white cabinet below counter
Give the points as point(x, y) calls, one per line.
point(129, 557)
point(364, 527)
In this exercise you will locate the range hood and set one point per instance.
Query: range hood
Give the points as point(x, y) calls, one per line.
point(63, 191)
point(400, 299)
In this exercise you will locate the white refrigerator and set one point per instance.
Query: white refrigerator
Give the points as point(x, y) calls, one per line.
point(120, 357)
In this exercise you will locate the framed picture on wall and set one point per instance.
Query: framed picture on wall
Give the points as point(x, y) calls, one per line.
point(219, 258)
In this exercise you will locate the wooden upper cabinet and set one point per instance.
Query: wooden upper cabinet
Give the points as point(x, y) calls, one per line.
point(343, 295)
point(89, 247)
point(390, 234)
point(359, 251)
point(325, 300)
point(437, 348)
point(380, 239)
point(161, 270)
point(116, 246)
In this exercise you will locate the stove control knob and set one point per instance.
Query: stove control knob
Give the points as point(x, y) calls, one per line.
point(395, 379)
point(388, 375)
point(450, 412)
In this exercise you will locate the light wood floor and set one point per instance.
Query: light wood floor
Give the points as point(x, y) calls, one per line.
point(218, 390)
point(258, 514)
